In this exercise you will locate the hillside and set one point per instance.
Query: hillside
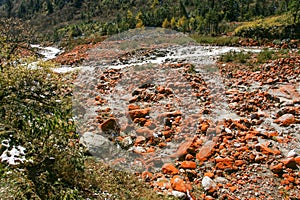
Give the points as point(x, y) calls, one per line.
point(59, 19)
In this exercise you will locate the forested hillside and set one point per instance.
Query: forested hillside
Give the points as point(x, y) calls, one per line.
point(109, 17)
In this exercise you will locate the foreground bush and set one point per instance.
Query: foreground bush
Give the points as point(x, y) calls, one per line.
point(36, 120)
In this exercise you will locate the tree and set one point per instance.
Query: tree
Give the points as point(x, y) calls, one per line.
point(14, 34)
point(295, 8)
point(166, 23)
point(9, 7)
point(182, 24)
point(139, 23)
point(49, 7)
point(154, 4)
point(173, 23)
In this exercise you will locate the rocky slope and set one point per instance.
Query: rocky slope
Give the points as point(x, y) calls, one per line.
point(187, 125)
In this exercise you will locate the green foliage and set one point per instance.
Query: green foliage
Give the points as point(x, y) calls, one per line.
point(201, 17)
point(276, 27)
point(233, 56)
point(220, 41)
point(35, 112)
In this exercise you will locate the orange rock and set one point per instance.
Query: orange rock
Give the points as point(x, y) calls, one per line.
point(289, 162)
point(209, 174)
point(286, 120)
point(169, 168)
point(239, 162)
point(162, 144)
point(182, 150)
point(139, 140)
point(178, 184)
point(240, 126)
point(204, 126)
point(139, 113)
point(188, 165)
point(147, 175)
point(266, 150)
point(233, 188)
point(150, 125)
point(189, 157)
point(276, 168)
point(205, 151)
point(133, 107)
point(297, 160)
point(224, 163)
point(140, 121)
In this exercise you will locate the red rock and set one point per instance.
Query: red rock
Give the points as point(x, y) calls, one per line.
point(144, 132)
point(139, 140)
point(297, 160)
point(205, 151)
point(189, 157)
point(240, 126)
point(150, 125)
point(209, 174)
point(276, 168)
point(286, 120)
point(169, 168)
point(174, 114)
point(133, 107)
point(178, 184)
point(289, 162)
point(239, 162)
point(233, 188)
point(188, 165)
point(183, 149)
point(224, 163)
point(266, 150)
point(162, 144)
point(147, 175)
point(204, 126)
point(110, 125)
point(139, 113)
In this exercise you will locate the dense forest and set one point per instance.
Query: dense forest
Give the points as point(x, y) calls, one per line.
point(77, 17)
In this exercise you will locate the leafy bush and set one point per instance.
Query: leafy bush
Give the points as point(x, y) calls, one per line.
point(35, 113)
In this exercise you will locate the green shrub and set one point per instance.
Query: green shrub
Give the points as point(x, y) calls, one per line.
point(35, 113)
point(233, 56)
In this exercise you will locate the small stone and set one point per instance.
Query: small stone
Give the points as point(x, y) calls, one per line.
point(221, 180)
point(205, 151)
point(126, 142)
point(209, 174)
point(189, 157)
point(286, 120)
point(169, 168)
point(239, 162)
point(233, 188)
point(145, 132)
point(289, 162)
point(139, 140)
point(292, 153)
point(208, 183)
point(147, 176)
point(276, 168)
point(133, 107)
point(178, 184)
point(188, 165)
point(110, 125)
point(139, 113)
point(179, 195)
